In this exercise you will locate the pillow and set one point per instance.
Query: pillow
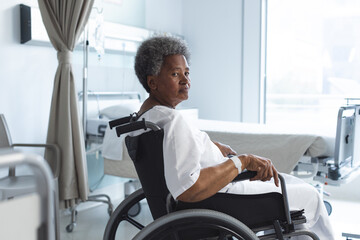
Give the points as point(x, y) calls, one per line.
point(120, 110)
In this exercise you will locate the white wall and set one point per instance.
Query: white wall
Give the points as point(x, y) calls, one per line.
point(164, 15)
point(26, 78)
point(214, 33)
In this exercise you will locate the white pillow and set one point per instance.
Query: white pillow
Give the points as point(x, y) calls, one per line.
point(120, 110)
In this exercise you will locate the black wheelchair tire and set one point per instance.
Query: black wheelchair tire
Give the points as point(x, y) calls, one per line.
point(122, 213)
point(186, 219)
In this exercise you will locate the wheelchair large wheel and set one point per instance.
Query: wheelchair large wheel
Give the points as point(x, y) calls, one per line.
point(124, 213)
point(167, 227)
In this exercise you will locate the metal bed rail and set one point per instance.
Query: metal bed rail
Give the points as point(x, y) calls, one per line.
point(44, 186)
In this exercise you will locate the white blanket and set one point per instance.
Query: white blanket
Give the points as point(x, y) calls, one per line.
point(283, 145)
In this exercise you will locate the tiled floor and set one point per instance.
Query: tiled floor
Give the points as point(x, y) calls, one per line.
point(92, 218)
point(345, 217)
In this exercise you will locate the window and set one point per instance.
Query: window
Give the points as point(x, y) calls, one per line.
point(313, 59)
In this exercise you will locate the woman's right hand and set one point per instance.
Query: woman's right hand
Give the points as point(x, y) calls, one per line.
point(263, 166)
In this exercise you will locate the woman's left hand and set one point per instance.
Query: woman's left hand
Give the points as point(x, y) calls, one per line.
point(225, 149)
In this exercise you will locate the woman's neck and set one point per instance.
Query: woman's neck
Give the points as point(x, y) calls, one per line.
point(155, 100)
point(150, 102)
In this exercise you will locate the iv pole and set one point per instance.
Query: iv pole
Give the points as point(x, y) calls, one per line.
point(85, 77)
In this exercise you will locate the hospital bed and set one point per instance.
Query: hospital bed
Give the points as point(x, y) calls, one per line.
point(105, 106)
point(101, 108)
point(328, 155)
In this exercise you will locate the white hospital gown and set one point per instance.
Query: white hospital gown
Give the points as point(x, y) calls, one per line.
point(187, 150)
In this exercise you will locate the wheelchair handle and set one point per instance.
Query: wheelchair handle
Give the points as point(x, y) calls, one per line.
point(133, 126)
point(119, 121)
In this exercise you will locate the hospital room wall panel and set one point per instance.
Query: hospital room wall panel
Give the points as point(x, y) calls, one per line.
point(26, 81)
point(127, 12)
point(164, 15)
point(214, 33)
point(215, 44)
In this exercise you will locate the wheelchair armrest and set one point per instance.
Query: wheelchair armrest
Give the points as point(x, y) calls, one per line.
point(250, 174)
point(244, 175)
point(55, 148)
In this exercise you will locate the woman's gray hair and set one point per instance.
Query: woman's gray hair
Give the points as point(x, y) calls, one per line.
point(152, 52)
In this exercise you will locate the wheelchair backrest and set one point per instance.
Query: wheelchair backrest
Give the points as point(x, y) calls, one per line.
point(146, 151)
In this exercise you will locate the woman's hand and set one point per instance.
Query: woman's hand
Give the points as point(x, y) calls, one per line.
point(263, 166)
point(225, 149)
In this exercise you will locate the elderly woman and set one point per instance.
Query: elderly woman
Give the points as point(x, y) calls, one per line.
point(196, 167)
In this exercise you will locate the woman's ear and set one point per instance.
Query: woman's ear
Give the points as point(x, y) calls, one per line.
point(152, 83)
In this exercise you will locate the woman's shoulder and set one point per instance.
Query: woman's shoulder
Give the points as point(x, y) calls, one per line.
point(165, 110)
point(160, 113)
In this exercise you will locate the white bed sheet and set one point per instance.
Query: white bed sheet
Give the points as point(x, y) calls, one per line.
point(284, 145)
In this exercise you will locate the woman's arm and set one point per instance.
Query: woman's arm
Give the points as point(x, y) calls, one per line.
point(212, 179)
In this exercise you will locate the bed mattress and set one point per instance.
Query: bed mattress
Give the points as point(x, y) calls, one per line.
point(285, 146)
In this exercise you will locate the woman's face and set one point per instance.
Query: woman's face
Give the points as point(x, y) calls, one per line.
point(172, 84)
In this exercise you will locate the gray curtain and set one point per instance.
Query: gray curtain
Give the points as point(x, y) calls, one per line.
point(64, 21)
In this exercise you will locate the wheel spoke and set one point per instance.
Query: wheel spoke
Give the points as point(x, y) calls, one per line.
point(134, 222)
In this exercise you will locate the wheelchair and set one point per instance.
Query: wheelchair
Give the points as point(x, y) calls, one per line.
point(221, 216)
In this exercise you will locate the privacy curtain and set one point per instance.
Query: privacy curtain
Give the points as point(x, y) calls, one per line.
point(64, 21)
